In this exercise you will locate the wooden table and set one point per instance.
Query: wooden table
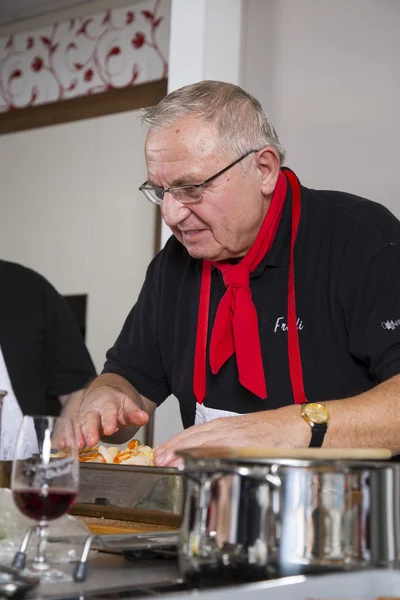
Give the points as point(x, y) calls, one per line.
point(103, 526)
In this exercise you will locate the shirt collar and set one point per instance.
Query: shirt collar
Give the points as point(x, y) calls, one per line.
point(279, 254)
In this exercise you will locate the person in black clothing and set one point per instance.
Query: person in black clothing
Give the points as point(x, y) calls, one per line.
point(273, 305)
point(41, 350)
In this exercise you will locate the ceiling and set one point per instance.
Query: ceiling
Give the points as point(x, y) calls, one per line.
point(12, 11)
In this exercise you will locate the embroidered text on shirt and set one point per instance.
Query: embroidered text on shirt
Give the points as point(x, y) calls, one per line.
point(280, 324)
point(390, 324)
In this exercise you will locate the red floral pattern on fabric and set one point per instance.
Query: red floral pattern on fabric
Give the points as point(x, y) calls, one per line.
point(116, 48)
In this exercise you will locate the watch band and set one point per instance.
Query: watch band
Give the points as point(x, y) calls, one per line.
point(317, 435)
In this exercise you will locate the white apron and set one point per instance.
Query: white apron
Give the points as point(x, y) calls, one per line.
point(11, 419)
point(205, 414)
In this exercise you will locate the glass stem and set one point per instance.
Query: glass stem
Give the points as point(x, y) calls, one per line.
point(40, 561)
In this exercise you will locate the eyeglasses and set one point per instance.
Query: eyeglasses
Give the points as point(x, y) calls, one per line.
point(186, 194)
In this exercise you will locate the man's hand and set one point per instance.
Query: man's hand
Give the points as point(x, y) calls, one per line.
point(369, 420)
point(71, 404)
point(109, 404)
point(274, 428)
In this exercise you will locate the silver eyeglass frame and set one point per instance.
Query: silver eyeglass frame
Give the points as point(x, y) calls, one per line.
point(176, 190)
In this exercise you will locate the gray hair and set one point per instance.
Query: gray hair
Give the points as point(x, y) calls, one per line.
point(241, 122)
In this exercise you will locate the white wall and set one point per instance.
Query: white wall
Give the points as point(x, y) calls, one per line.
point(70, 209)
point(327, 72)
point(47, 193)
point(123, 228)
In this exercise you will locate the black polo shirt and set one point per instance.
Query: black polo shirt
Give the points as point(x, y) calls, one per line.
point(347, 283)
point(40, 339)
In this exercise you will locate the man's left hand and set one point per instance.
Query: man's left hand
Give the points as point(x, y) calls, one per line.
point(280, 428)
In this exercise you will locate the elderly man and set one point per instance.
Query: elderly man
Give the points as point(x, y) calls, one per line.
point(273, 306)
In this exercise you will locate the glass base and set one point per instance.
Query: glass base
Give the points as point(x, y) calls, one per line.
point(47, 575)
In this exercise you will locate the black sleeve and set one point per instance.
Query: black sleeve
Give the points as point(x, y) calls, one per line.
point(68, 364)
point(136, 353)
point(372, 312)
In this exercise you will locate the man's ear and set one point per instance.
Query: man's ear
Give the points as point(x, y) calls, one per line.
point(269, 166)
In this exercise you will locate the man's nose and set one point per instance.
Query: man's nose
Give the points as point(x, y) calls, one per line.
point(172, 211)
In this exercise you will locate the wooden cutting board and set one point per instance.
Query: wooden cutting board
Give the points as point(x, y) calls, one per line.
point(295, 453)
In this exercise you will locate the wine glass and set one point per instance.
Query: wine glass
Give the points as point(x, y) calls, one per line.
point(44, 481)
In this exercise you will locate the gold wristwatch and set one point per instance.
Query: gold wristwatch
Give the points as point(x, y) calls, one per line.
point(317, 418)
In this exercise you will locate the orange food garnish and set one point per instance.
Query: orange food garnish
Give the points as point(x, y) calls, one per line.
point(116, 455)
point(133, 444)
point(122, 456)
point(95, 456)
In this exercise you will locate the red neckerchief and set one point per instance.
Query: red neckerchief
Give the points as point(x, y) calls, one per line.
point(236, 326)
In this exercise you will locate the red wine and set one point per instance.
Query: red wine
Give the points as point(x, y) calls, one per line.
point(38, 506)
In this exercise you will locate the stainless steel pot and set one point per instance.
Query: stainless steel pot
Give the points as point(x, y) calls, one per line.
point(254, 519)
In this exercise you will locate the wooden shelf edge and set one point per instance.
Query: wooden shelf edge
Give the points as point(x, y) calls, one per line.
point(84, 107)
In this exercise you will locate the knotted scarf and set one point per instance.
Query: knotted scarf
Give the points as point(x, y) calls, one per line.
point(236, 325)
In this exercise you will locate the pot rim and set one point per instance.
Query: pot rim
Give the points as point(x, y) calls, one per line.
point(334, 465)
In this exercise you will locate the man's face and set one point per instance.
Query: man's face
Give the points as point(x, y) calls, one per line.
point(225, 223)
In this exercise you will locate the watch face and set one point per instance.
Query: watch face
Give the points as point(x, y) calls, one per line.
point(317, 413)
